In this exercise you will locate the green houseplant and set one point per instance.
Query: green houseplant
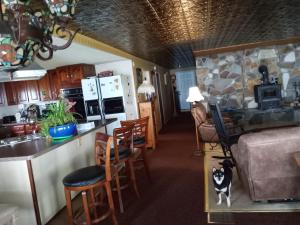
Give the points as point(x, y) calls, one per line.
point(60, 122)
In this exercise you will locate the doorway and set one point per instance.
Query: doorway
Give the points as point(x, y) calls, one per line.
point(184, 80)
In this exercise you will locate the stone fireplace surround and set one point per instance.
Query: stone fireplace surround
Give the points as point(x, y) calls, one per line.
point(229, 78)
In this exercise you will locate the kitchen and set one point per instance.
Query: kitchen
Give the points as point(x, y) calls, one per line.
point(25, 101)
point(16, 96)
point(31, 166)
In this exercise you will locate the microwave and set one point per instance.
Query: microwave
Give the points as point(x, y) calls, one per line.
point(113, 105)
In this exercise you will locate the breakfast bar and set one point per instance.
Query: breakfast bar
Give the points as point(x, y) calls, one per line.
point(31, 172)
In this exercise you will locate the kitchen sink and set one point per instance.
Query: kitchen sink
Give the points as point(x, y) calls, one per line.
point(21, 139)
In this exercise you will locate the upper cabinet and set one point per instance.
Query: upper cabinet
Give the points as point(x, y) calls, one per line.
point(11, 94)
point(70, 76)
point(55, 83)
point(48, 87)
point(2, 94)
point(21, 92)
point(45, 88)
point(33, 90)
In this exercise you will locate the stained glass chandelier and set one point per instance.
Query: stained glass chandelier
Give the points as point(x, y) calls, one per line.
point(26, 33)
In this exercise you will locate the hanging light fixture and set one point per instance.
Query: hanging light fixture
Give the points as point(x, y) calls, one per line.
point(146, 87)
point(26, 33)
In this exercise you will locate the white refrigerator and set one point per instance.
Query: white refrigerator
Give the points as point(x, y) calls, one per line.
point(113, 100)
point(104, 96)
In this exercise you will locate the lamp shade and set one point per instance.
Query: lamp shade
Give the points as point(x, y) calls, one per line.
point(194, 95)
point(147, 89)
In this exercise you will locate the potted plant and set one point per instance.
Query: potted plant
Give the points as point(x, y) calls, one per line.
point(60, 123)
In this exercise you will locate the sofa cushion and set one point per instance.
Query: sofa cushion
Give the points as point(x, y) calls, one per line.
point(266, 163)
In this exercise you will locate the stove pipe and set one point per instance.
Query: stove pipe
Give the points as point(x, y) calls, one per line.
point(265, 74)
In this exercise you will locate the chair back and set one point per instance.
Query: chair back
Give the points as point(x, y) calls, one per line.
point(219, 124)
point(103, 143)
point(140, 128)
point(122, 139)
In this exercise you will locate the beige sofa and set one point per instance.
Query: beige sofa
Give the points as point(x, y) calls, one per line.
point(266, 164)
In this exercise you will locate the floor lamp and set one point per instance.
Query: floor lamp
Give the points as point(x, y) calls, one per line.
point(194, 97)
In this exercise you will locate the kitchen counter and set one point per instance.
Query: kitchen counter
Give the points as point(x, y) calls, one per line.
point(35, 148)
point(31, 173)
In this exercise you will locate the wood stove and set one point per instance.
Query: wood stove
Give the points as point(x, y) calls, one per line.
point(267, 95)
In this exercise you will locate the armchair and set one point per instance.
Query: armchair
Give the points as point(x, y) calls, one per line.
point(205, 128)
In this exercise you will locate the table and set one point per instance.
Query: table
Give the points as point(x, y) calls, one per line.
point(254, 119)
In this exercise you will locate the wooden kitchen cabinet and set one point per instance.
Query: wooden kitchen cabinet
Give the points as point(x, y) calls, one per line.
point(55, 83)
point(147, 109)
point(63, 74)
point(70, 76)
point(11, 94)
point(2, 101)
point(18, 130)
point(20, 92)
point(45, 88)
point(32, 91)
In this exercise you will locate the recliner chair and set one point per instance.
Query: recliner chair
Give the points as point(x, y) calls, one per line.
point(205, 128)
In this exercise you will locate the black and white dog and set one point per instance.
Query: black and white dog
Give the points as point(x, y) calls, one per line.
point(222, 180)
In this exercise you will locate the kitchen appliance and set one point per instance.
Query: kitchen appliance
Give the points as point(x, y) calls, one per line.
point(9, 119)
point(113, 100)
point(92, 98)
point(267, 95)
point(113, 105)
point(104, 96)
point(111, 87)
point(75, 95)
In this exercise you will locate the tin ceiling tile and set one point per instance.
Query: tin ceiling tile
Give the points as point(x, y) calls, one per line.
point(168, 31)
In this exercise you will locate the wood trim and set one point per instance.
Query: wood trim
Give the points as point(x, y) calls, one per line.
point(33, 193)
point(234, 48)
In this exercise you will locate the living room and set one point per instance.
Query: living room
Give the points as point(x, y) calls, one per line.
point(245, 58)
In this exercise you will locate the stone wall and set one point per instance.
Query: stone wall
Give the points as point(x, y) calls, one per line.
point(229, 77)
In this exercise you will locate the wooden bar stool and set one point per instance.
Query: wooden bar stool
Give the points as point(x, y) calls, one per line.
point(121, 154)
point(140, 135)
point(89, 178)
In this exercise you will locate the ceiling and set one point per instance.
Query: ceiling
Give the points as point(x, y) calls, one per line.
point(75, 54)
point(168, 31)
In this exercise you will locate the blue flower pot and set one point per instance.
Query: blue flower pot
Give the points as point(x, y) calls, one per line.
point(63, 131)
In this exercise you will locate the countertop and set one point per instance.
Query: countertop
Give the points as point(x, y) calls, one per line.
point(35, 148)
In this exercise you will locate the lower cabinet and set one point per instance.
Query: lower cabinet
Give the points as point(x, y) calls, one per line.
point(18, 130)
